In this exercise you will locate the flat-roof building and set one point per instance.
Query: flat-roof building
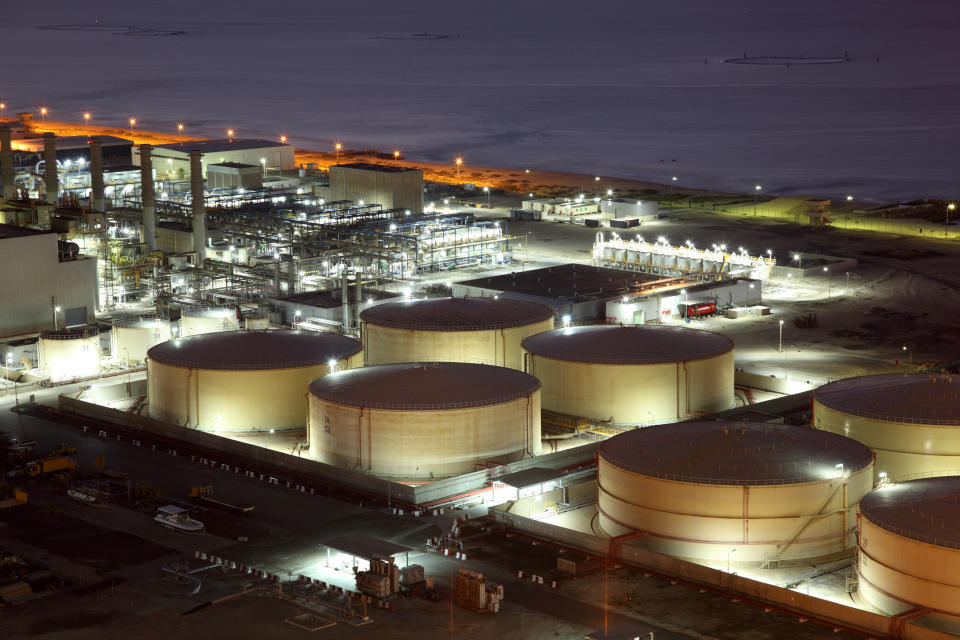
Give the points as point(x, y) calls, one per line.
point(173, 160)
point(46, 284)
point(387, 185)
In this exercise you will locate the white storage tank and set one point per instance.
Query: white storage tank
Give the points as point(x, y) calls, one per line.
point(242, 381)
point(738, 491)
point(481, 330)
point(66, 354)
point(413, 420)
point(911, 420)
point(200, 320)
point(133, 336)
point(634, 375)
point(909, 546)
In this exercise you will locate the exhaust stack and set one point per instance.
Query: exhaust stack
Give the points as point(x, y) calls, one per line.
point(6, 163)
point(51, 183)
point(198, 207)
point(98, 200)
point(147, 197)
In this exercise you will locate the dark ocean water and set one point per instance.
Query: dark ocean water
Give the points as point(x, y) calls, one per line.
point(623, 88)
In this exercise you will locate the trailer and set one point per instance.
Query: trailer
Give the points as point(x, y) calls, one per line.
point(50, 464)
point(700, 309)
point(205, 494)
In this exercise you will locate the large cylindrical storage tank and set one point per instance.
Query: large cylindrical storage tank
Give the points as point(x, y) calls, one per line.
point(911, 420)
point(758, 492)
point(909, 546)
point(414, 420)
point(133, 336)
point(197, 321)
point(242, 381)
point(633, 375)
point(481, 330)
point(66, 354)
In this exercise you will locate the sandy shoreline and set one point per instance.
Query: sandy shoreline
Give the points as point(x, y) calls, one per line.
point(509, 179)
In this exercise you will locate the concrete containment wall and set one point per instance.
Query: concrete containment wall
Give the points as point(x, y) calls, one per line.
point(425, 495)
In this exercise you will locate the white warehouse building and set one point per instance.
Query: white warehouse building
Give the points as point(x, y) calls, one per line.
point(172, 161)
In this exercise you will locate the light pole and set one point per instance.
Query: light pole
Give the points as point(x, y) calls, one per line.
point(829, 281)
point(459, 164)
point(43, 114)
point(3, 107)
point(487, 190)
point(230, 135)
point(950, 207)
point(799, 260)
point(780, 348)
point(756, 192)
point(86, 118)
point(338, 147)
point(180, 131)
point(672, 180)
point(729, 553)
point(846, 289)
point(133, 123)
point(909, 355)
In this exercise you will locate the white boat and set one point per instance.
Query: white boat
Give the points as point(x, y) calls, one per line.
point(178, 519)
point(85, 495)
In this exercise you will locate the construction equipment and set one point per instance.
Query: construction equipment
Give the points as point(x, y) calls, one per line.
point(205, 494)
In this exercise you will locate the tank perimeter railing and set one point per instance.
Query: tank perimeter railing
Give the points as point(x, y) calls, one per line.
point(913, 535)
point(257, 366)
point(138, 321)
point(76, 333)
point(799, 479)
point(926, 474)
point(888, 418)
point(428, 406)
